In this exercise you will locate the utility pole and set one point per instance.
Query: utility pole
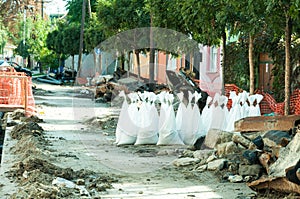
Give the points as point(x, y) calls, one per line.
point(81, 37)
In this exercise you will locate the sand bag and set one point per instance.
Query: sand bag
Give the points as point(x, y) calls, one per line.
point(197, 125)
point(235, 111)
point(206, 115)
point(168, 134)
point(254, 110)
point(126, 131)
point(180, 113)
point(187, 134)
point(148, 131)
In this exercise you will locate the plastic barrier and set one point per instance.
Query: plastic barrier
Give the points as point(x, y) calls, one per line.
point(269, 104)
point(16, 92)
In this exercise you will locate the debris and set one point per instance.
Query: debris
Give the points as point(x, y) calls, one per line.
point(185, 161)
point(266, 123)
point(218, 164)
point(241, 140)
point(250, 170)
point(235, 178)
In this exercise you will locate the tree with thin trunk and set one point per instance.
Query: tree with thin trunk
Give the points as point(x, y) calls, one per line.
point(289, 15)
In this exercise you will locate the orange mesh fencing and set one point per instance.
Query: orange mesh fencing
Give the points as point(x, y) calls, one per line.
point(16, 92)
point(228, 88)
point(268, 103)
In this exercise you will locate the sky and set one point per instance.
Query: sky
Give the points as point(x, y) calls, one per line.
point(55, 6)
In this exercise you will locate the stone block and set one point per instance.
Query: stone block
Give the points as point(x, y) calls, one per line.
point(250, 170)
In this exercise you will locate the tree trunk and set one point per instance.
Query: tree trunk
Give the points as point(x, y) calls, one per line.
point(151, 58)
point(287, 90)
point(81, 38)
point(89, 8)
point(137, 55)
point(223, 67)
point(251, 65)
point(73, 63)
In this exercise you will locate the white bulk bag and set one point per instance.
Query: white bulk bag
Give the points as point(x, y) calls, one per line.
point(254, 110)
point(235, 111)
point(206, 115)
point(148, 131)
point(126, 130)
point(180, 113)
point(187, 134)
point(197, 125)
point(244, 104)
point(168, 134)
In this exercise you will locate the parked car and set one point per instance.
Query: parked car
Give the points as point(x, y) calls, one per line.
point(18, 68)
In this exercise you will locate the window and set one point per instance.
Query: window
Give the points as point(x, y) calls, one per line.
point(213, 60)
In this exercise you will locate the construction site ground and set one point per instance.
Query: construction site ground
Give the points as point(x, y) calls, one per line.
point(144, 171)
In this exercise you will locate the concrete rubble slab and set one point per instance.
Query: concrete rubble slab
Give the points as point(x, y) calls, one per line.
point(266, 123)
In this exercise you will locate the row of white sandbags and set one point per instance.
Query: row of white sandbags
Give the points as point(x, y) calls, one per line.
point(140, 123)
point(216, 115)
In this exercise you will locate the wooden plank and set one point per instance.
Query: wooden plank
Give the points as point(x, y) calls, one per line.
point(266, 123)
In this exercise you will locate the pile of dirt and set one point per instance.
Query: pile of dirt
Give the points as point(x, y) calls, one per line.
point(27, 128)
point(108, 123)
point(37, 177)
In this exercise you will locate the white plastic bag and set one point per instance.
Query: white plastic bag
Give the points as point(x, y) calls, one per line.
point(235, 112)
point(254, 110)
point(206, 115)
point(148, 131)
point(187, 134)
point(168, 134)
point(126, 131)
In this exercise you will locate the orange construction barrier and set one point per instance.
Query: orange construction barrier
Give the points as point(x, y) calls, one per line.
point(16, 91)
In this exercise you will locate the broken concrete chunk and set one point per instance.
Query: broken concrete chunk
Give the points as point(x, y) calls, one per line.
point(185, 161)
point(203, 154)
point(250, 156)
point(259, 143)
point(227, 148)
point(288, 157)
point(215, 136)
point(241, 140)
point(201, 168)
point(250, 170)
point(265, 160)
point(235, 178)
point(276, 138)
point(216, 164)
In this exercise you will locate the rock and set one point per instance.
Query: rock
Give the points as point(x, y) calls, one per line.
point(250, 170)
point(216, 164)
point(241, 140)
point(259, 143)
point(215, 136)
point(293, 174)
point(235, 178)
point(265, 160)
point(227, 148)
point(275, 138)
point(80, 182)
point(201, 168)
point(288, 156)
point(185, 161)
point(251, 156)
point(203, 154)
point(188, 153)
point(211, 158)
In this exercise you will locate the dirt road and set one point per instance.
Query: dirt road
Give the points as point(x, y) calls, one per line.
point(141, 171)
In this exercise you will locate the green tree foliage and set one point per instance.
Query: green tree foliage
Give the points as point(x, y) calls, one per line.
point(287, 13)
point(94, 34)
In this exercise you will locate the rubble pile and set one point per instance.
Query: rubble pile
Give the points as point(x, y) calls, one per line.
point(264, 160)
point(37, 177)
